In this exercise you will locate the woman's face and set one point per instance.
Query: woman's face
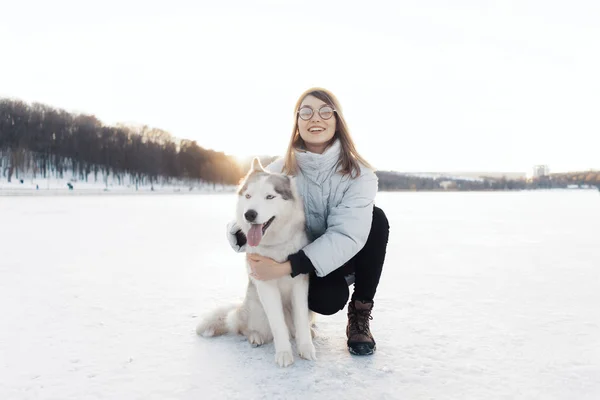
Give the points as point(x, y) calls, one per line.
point(316, 131)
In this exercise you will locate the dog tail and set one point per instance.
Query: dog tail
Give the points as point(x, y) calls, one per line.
point(228, 319)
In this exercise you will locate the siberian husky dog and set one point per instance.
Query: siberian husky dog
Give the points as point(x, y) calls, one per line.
point(271, 215)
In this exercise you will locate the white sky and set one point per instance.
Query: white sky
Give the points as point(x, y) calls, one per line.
point(425, 86)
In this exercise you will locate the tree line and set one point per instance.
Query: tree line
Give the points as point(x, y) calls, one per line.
point(394, 181)
point(41, 139)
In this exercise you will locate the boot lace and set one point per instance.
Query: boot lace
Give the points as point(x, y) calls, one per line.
point(359, 321)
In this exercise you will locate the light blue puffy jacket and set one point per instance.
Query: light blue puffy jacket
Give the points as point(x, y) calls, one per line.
point(339, 209)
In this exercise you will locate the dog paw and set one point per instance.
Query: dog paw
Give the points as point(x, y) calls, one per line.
point(307, 351)
point(208, 332)
point(255, 339)
point(205, 330)
point(284, 358)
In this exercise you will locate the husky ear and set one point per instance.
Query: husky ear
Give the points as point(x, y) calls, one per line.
point(256, 165)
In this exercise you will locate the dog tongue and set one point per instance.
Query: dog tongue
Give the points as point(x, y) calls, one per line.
point(254, 235)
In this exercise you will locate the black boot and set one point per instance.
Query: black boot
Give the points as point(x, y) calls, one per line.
point(360, 340)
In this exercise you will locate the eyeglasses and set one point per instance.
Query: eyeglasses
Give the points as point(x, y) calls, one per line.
point(307, 112)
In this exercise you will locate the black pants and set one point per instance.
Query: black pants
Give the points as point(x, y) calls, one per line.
point(329, 294)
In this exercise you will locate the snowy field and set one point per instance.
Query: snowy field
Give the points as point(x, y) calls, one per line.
point(484, 296)
point(55, 186)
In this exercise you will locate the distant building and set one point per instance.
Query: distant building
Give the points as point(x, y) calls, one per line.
point(540, 170)
point(448, 185)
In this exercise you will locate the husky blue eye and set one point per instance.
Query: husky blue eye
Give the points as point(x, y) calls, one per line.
point(270, 197)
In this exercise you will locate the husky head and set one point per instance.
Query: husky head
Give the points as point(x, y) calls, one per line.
point(268, 205)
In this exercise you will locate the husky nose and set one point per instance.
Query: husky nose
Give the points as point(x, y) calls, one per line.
point(250, 215)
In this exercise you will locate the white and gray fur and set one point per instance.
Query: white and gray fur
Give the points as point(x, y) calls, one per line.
point(276, 309)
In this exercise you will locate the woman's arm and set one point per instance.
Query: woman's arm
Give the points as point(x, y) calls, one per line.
point(348, 227)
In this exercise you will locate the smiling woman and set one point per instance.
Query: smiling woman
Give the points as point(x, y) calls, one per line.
point(320, 123)
point(316, 134)
point(348, 234)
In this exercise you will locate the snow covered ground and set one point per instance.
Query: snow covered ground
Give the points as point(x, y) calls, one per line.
point(29, 185)
point(484, 296)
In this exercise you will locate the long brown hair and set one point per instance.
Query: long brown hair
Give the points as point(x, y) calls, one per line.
point(349, 157)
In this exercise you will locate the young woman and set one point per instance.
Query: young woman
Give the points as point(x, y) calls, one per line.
point(348, 234)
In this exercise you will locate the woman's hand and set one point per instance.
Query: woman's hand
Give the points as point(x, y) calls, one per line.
point(265, 268)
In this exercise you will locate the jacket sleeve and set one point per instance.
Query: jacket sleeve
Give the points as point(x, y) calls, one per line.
point(348, 226)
